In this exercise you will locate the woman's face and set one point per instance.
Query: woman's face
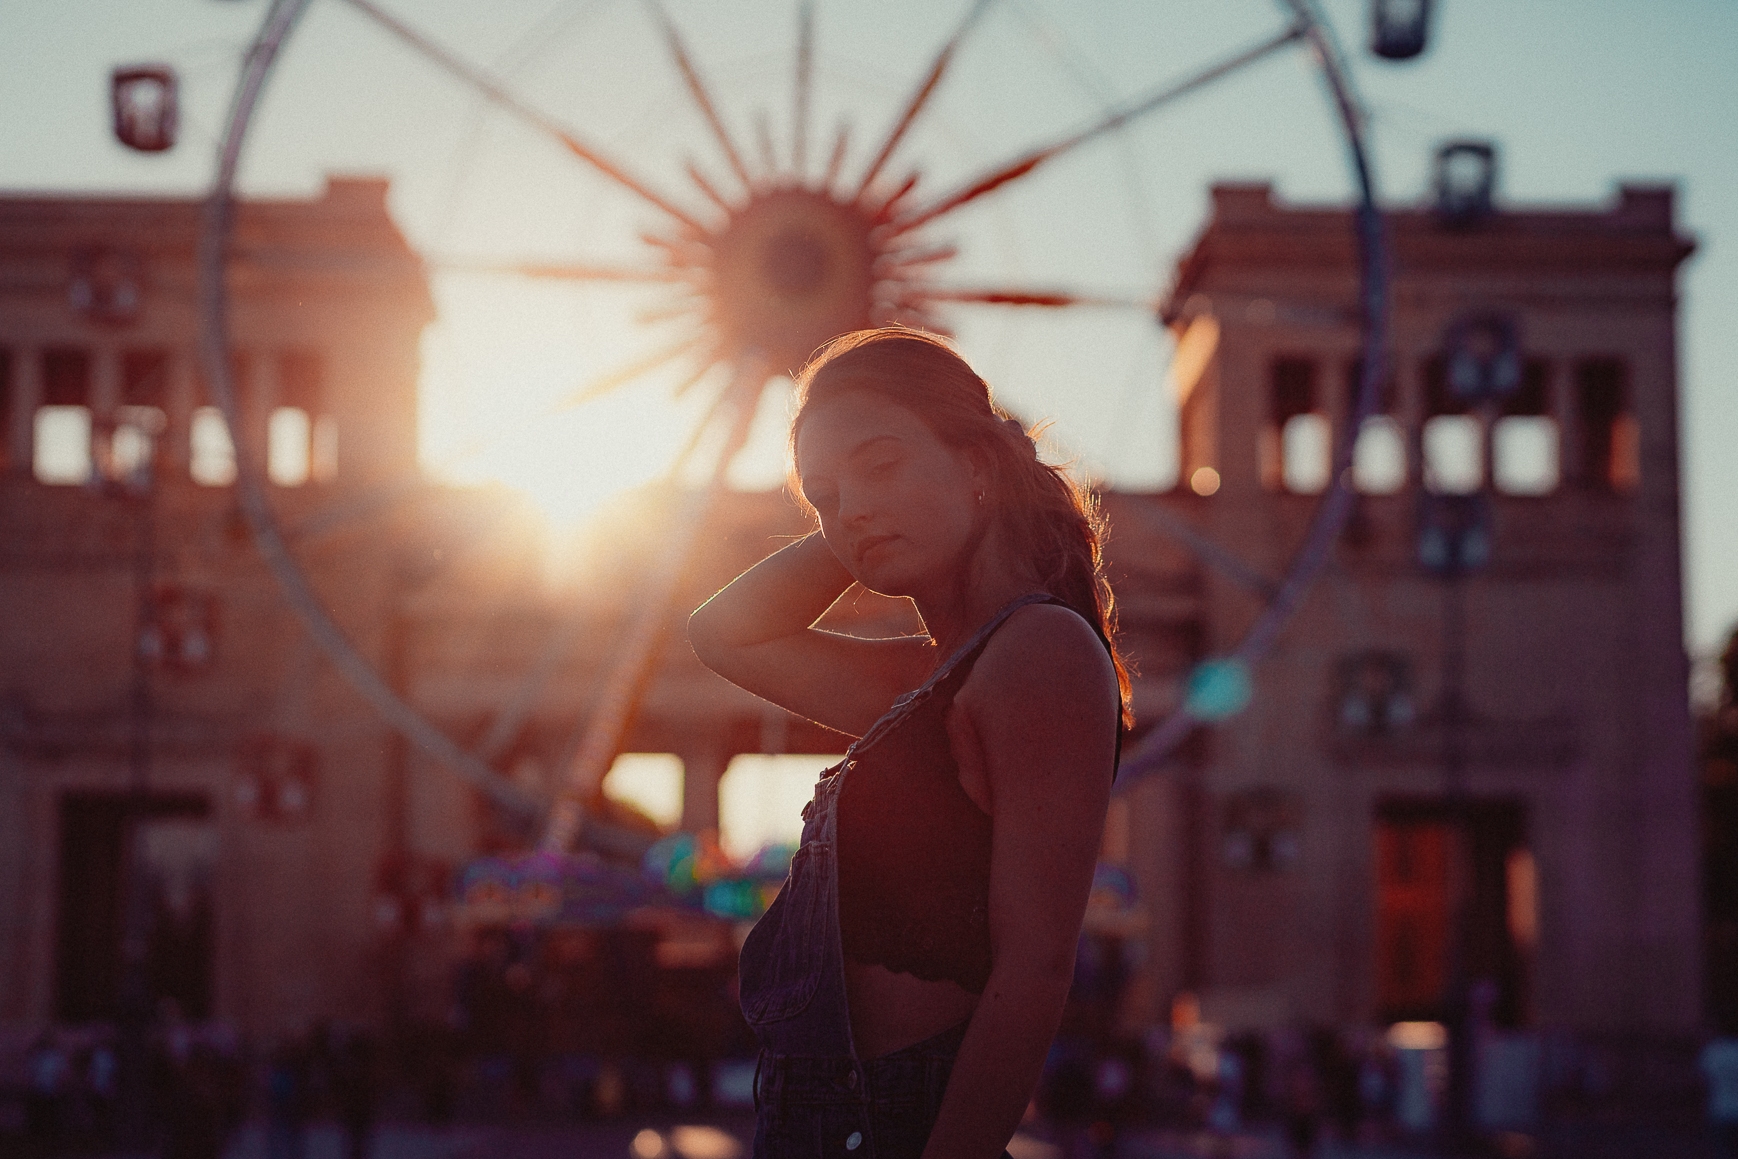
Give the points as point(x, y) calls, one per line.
point(897, 505)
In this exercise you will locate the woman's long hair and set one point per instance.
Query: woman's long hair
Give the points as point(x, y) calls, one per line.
point(1045, 516)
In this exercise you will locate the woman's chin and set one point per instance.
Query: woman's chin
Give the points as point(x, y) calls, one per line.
point(883, 581)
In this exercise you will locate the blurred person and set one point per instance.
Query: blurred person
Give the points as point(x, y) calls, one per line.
point(1719, 1066)
point(1337, 1075)
point(1301, 1106)
point(355, 1092)
point(48, 1071)
point(102, 1080)
point(907, 981)
point(193, 1116)
point(1225, 1115)
point(287, 1101)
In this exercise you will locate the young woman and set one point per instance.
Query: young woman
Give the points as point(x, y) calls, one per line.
point(906, 983)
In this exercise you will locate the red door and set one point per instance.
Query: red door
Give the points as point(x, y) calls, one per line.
point(1414, 916)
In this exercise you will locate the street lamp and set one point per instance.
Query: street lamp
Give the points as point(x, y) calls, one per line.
point(1481, 365)
point(1398, 28)
point(146, 110)
point(1466, 179)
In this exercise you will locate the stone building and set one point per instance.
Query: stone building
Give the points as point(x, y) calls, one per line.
point(148, 668)
point(1318, 857)
point(1497, 760)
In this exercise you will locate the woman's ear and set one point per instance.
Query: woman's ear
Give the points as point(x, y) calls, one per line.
point(983, 469)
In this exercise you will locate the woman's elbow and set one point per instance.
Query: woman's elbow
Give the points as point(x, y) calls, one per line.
point(704, 635)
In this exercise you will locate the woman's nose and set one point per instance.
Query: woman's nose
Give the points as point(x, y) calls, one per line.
point(852, 509)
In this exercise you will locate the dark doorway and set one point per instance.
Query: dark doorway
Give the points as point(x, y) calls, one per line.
point(1453, 878)
point(135, 906)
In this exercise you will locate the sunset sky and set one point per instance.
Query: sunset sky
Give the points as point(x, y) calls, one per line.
point(1577, 96)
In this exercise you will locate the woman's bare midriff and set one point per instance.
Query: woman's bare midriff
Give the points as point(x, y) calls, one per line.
point(891, 1011)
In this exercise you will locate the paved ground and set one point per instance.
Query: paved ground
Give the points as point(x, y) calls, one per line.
point(727, 1136)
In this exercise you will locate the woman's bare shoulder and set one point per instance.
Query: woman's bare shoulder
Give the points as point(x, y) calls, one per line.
point(1044, 651)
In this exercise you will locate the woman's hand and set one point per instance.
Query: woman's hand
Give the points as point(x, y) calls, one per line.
point(1035, 727)
point(758, 633)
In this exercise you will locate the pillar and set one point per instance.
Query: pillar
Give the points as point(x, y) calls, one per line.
point(26, 397)
point(179, 399)
point(701, 771)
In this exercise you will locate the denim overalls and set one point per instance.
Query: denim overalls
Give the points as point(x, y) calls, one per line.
point(813, 1094)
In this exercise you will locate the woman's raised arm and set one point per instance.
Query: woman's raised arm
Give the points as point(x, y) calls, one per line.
point(758, 633)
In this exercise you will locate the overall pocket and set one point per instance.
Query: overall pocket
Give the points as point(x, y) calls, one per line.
point(781, 960)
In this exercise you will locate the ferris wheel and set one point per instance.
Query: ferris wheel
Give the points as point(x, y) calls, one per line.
point(759, 256)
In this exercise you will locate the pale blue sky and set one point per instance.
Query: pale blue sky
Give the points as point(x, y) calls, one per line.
point(1578, 93)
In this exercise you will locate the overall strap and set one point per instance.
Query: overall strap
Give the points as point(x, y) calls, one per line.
point(982, 635)
point(905, 703)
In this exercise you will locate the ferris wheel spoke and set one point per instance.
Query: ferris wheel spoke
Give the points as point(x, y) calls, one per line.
point(702, 96)
point(698, 434)
point(509, 722)
point(374, 502)
point(801, 89)
point(763, 137)
point(615, 379)
point(836, 160)
point(496, 92)
point(559, 271)
point(1023, 165)
point(597, 740)
point(920, 98)
point(1007, 296)
point(705, 186)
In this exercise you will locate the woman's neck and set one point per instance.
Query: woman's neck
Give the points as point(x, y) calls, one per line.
point(955, 610)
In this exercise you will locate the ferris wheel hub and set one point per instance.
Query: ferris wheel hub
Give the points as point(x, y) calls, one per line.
point(789, 270)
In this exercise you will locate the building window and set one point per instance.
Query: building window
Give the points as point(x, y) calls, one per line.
point(1453, 454)
point(1452, 443)
point(1379, 451)
point(301, 438)
point(288, 445)
point(63, 421)
point(760, 800)
point(210, 453)
point(1379, 457)
point(650, 783)
point(1373, 694)
point(141, 418)
point(1610, 457)
point(1525, 456)
point(63, 445)
point(62, 433)
point(1297, 446)
point(1263, 831)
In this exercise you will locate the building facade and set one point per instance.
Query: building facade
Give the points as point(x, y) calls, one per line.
point(1448, 774)
point(1444, 777)
point(161, 706)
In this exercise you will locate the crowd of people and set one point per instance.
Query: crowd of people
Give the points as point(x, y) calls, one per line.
point(181, 1091)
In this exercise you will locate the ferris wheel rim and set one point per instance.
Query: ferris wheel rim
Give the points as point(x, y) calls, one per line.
point(1329, 517)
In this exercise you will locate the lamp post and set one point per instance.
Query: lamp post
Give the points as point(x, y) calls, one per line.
point(1481, 366)
point(125, 474)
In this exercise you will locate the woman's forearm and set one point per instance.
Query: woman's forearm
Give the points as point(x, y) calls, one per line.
point(781, 595)
point(998, 1066)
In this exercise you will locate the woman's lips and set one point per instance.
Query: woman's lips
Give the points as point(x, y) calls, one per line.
point(865, 546)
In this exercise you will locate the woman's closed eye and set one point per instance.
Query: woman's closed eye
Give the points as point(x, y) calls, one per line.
point(825, 500)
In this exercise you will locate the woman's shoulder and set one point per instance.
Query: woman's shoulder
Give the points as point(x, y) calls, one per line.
point(1049, 649)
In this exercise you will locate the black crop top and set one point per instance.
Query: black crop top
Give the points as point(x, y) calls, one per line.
point(914, 850)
